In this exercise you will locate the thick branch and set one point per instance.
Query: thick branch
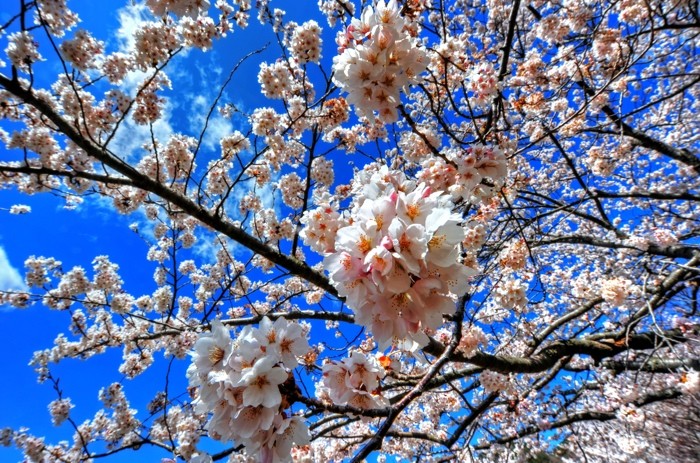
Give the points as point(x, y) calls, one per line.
point(71, 174)
point(146, 183)
point(599, 347)
point(654, 365)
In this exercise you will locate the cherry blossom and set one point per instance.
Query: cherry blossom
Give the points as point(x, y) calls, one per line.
point(378, 58)
point(467, 231)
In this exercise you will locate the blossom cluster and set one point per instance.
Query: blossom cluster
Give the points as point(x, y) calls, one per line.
point(320, 227)
point(378, 57)
point(335, 9)
point(56, 15)
point(82, 50)
point(511, 294)
point(22, 50)
point(247, 386)
point(177, 7)
point(463, 176)
point(483, 83)
point(19, 209)
point(472, 338)
point(60, 409)
point(397, 260)
point(354, 381)
point(306, 43)
point(615, 290)
point(493, 381)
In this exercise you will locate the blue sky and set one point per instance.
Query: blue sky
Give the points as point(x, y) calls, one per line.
point(75, 237)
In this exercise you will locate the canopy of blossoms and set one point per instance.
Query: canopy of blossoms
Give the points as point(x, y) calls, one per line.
point(435, 231)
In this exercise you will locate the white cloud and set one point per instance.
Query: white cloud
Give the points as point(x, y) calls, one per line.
point(10, 277)
point(130, 137)
point(130, 19)
point(217, 127)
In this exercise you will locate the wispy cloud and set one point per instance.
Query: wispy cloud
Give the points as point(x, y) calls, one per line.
point(130, 137)
point(131, 17)
point(217, 127)
point(187, 112)
point(10, 278)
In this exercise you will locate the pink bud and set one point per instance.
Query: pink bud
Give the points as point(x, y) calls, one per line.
point(387, 243)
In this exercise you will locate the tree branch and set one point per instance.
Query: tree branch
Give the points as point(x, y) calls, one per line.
point(188, 206)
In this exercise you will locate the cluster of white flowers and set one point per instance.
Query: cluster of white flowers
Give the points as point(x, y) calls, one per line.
point(199, 32)
point(510, 294)
point(514, 257)
point(475, 235)
point(60, 409)
point(306, 43)
point(154, 42)
point(268, 225)
point(322, 171)
point(275, 79)
point(320, 227)
point(476, 163)
point(19, 209)
point(177, 7)
point(493, 381)
point(413, 146)
point(56, 15)
point(247, 385)
point(335, 111)
point(292, 188)
point(149, 105)
point(378, 57)
point(615, 290)
point(354, 382)
point(22, 50)
point(464, 176)
point(483, 83)
point(472, 338)
point(335, 9)
point(396, 261)
point(664, 237)
point(82, 50)
point(123, 424)
point(38, 270)
point(180, 424)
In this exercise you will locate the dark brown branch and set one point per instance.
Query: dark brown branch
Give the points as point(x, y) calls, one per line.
point(146, 183)
point(680, 155)
point(581, 417)
point(654, 365)
point(650, 195)
point(342, 409)
point(598, 346)
point(71, 174)
point(508, 45)
point(673, 251)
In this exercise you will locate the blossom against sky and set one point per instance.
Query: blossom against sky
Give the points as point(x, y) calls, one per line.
point(76, 235)
point(75, 232)
point(470, 197)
